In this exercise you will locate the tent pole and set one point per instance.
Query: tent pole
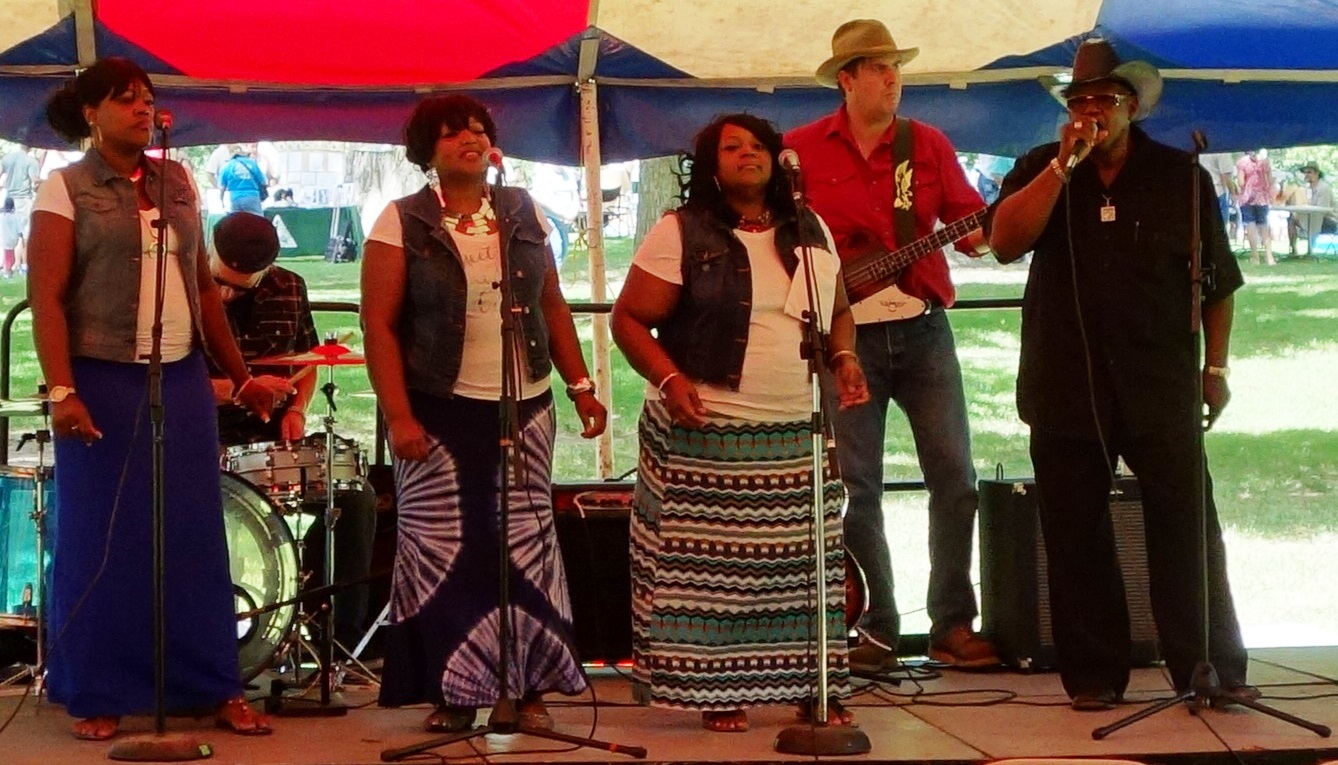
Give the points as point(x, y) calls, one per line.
point(594, 217)
point(84, 16)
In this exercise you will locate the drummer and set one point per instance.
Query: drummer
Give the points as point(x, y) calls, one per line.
point(270, 315)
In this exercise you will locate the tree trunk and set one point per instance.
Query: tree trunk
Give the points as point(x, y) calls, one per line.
point(657, 193)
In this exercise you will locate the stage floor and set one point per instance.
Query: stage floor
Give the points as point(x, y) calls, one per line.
point(957, 717)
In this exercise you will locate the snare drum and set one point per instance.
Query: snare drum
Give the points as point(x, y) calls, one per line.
point(292, 473)
point(20, 594)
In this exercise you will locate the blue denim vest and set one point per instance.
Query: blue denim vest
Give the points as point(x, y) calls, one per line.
point(432, 318)
point(707, 334)
point(102, 303)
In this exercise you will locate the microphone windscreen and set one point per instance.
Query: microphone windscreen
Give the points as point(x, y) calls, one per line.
point(162, 119)
point(789, 159)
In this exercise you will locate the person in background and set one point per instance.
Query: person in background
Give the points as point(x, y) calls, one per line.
point(858, 177)
point(19, 175)
point(92, 287)
point(270, 315)
point(1109, 370)
point(1254, 175)
point(432, 320)
point(1318, 193)
point(242, 180)
point(725, 440)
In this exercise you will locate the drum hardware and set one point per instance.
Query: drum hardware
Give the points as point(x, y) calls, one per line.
point(32, 604)
point(329, 354)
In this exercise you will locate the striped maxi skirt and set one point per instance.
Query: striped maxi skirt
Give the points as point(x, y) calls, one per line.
point(723, 596)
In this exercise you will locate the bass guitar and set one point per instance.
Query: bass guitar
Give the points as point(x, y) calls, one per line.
point(877, 269)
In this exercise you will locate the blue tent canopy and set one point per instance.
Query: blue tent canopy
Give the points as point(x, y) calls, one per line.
point(1246, 72)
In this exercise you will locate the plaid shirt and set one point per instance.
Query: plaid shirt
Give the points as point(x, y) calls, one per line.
point(273, 319)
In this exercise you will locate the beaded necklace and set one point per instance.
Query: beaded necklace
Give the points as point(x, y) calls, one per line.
point(479, 223)
point(755, 225)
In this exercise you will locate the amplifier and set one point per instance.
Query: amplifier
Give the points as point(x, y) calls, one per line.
point(1014, 590)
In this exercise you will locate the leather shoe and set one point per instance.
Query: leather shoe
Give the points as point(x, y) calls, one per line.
point(871, 659)
point(1094, 701)
point(961, 647)
point(1236, 694)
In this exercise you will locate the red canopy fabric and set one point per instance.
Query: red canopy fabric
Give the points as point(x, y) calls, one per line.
point(343, 42)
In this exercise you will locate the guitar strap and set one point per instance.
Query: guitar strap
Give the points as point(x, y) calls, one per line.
point(903, 187)
point(891, 304)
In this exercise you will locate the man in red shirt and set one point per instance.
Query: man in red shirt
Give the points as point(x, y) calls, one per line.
point(857, 180)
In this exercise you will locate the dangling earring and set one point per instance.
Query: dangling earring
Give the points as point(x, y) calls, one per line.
point(717, 182)
point(432, 179)
point(95, 134)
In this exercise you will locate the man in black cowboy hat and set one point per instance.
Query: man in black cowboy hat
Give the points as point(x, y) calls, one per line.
point(1109, 369)
point(270, 315)
point(882, 182)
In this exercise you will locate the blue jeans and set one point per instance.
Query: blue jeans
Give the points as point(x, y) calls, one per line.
point(914, 363)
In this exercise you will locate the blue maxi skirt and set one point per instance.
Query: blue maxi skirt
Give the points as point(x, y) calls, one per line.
point(101, 604)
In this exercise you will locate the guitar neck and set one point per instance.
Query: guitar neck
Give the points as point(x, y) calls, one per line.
point(875, 271)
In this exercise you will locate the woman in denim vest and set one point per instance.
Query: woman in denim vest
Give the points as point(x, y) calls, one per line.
point(92, 281)
point(722, 560)
point(432, 307)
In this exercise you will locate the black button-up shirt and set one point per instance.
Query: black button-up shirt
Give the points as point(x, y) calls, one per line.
point(1128, 278)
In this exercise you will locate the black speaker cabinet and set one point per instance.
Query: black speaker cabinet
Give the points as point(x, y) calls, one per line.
point(1015, 593)
point(592, 530)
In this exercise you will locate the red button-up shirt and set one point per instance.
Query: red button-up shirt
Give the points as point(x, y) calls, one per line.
point(852, 193)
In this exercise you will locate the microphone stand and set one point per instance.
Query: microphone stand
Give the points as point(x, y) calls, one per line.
point(505, 718)
point(160, 747)
point(1204, 690)
point(817, 737)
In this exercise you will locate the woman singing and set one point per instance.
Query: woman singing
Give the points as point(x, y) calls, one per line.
point(722, 558)
point(91, 285)
point(432, 310)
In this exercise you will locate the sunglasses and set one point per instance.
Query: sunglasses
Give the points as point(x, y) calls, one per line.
point(1101, 100)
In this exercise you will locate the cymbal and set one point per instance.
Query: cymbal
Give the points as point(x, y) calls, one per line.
point(325, 355)
point(21, 407)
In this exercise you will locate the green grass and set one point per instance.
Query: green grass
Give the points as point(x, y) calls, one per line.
point(1274, 453)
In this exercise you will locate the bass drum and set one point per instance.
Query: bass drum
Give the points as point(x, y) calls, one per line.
point(262, 558)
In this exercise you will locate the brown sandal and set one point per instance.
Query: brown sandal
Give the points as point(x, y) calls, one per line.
point(533, 714)
point(449, 719)
point(96, 728)
point(237, 716)
point(729, 721)
point(837, 714)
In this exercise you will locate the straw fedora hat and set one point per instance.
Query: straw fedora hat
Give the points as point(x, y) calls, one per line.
point(859, 39)
point(1096, 61)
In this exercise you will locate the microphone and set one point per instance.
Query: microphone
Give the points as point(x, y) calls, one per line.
point(1078, 146)
point(162, 119)
point(1078, 153)
point(493, 156)
point(789, 161)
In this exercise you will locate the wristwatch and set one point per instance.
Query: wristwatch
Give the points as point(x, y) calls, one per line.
point(583, 385)
point(1217, 371)
point(59, 393)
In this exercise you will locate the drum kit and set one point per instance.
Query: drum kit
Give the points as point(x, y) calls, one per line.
point(265, 488)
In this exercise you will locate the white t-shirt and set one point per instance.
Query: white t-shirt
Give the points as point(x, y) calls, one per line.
point(774, 383)
point(54, 197)
point(481, 360)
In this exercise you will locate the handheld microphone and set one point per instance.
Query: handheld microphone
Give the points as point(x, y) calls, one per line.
point(162, 119)
point(1078, 146)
